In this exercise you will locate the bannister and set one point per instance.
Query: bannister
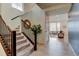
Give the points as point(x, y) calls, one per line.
point(28, 38)
point(30, 35)
point(13, 43)
point(27, 32)
point(8, 38)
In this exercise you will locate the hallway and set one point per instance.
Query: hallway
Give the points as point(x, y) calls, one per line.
point(55, 47)
point(58, 47)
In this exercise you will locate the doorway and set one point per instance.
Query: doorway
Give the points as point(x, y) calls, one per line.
point(54, 29)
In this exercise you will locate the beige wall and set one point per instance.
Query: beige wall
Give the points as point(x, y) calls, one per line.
point(8, 12)
point(28, 7)
point(37, 16)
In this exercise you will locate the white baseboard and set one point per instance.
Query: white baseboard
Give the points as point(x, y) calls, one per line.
point(72, 49)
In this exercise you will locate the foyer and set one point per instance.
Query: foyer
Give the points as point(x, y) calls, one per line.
point(32, 29)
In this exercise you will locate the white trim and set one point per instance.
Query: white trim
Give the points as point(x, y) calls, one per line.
point(72, 49)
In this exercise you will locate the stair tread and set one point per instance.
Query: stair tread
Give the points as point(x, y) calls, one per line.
point(20, 37)
point(24, 51)
point(21, 42)
point(18, 33)
point(19, 46)
point(22, 48)
point(30, 52)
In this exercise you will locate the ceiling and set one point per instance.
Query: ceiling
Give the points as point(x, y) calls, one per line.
point(48, 5)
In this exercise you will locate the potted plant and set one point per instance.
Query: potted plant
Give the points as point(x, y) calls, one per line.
point(36, 30)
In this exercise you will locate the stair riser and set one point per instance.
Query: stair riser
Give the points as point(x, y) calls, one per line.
point(27, 54)
point(21, 42)
point(9, 35)
point(18, 33)
point(21, 37)
point(18, 43)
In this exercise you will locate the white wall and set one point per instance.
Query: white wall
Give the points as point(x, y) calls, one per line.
point(8, 12)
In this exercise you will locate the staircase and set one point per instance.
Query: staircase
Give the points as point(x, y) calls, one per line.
point(23, 46)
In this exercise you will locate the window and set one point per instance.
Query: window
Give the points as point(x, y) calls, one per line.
point(54, 26)
point(18, 6)
point(58, 26)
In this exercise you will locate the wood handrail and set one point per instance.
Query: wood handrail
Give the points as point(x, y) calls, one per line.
point(28, 38)
point(35, 38)
point(27, 35)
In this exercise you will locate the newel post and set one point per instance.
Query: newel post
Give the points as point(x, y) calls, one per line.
point(13, 43)
point(35, 40)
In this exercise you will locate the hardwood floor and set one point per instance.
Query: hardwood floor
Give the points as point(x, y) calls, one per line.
point(55, 47)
